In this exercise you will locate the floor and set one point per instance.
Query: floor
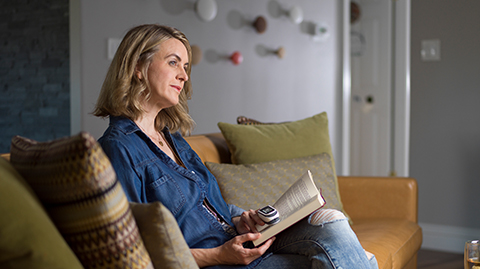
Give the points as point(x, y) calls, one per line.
point(428, 259)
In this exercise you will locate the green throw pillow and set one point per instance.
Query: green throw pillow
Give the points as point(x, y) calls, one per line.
point(28, 238)
point(251, 186)
point(162, 236)
point(262, 143)
point(76, 183)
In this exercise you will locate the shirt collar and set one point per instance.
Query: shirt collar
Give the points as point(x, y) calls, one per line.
point(128, 126)
point(124, 124)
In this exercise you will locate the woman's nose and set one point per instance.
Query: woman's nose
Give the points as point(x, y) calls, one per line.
point(183, 75)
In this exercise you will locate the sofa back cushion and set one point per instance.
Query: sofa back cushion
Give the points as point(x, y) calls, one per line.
point(251, 186)
point(254, 142)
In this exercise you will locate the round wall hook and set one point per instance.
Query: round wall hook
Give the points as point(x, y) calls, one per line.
point(236, 58)
point(321, 31)
point(206, 10)
point(260, 24)
point(354, 12)
point(265, 51)
point(295, 14)
point(236, 20)
point(197, 54)
point(280, 52)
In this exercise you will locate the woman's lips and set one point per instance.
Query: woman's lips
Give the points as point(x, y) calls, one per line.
point(178, 88)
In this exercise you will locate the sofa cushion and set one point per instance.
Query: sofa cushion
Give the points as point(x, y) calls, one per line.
point(251, 186)
point(162, 236)
point(254, 142)
point(28, 238)
point(267, 142)
point(394, 241)
point(78, 187)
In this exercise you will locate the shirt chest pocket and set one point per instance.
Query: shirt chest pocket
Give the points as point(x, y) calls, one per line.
point(166, 190)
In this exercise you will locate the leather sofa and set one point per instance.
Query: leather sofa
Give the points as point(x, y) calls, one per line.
point(383, 209)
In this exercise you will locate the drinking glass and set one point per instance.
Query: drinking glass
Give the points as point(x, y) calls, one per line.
point(472, 254)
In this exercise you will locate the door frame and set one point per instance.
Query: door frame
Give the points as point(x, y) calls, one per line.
point(401, 88)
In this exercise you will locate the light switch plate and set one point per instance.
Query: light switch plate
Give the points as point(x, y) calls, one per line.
point(430, 50)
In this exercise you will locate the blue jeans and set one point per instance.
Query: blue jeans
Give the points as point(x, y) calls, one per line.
point(327, 245)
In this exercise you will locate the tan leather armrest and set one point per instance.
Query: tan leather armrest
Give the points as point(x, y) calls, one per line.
point(379, 197)
point(210, 147)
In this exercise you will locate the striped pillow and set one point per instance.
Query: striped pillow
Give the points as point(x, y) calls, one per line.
point(78, 187)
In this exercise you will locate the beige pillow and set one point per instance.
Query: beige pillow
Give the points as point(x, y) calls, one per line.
point(28, 238)
point(162, 236)
point(76, 183)
point(251, 186)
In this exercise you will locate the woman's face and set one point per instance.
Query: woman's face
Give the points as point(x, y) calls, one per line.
point(167, 74)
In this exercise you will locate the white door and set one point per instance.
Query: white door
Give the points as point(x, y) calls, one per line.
point(371, 92)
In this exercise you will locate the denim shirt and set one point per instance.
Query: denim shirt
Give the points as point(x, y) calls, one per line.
point(147, 174)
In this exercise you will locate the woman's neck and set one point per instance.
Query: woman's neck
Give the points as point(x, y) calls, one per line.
point(146, 121)
point(147, 124)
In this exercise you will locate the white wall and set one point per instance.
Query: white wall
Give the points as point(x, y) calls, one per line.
point(302, 84)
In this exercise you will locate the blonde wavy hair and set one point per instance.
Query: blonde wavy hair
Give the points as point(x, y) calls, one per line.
point(123, 92)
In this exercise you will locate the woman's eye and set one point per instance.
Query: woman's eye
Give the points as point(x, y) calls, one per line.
point(173, 63)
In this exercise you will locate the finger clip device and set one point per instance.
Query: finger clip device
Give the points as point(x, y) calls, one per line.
point(269, 215)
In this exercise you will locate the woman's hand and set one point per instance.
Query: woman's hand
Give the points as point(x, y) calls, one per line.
point(232, 252)
point(246, 222)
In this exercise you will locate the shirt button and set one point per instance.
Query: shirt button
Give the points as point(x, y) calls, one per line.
point(193, 172)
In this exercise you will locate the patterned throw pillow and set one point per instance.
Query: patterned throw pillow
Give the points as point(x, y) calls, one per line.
point(76, 183)
point(162, 236)
point(251, 186)
point(249, 121)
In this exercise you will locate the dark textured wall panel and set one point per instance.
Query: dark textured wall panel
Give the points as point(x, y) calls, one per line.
point(34, 70)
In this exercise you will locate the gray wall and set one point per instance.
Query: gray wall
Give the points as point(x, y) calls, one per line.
point(302, 84)
point(34, 70)
point(445, 115)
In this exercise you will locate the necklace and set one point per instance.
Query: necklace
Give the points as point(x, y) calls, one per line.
point(177, 158)
point(159, 136)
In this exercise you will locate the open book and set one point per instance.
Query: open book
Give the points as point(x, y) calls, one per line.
point(299, 201)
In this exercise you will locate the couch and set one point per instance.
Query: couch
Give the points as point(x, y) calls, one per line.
point(383, 211)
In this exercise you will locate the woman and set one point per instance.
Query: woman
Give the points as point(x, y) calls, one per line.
point(145, 96)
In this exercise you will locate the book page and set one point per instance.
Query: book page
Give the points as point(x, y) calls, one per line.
point(296, 196)
point(283, 217)
point(301, 199)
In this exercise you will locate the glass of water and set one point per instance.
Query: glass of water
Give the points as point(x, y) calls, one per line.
point(472, 254)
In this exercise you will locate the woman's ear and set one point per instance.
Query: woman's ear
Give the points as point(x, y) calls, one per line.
point(138, 73)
